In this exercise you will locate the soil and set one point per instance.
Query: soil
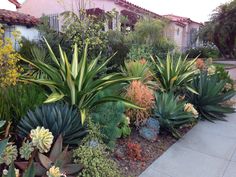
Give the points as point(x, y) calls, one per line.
point(150, 151)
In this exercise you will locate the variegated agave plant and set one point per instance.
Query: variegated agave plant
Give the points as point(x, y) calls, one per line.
point(76, 82)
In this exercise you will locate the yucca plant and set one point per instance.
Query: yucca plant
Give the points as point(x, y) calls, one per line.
point(170, 113)
point(76, 82)
point(210, 98)
point(174, 75)
point(59, 118)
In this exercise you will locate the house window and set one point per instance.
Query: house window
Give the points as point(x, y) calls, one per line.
point(177, 31)
point(54, 21)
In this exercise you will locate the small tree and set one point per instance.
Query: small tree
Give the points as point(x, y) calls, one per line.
point(221, 30)
point(150, 32)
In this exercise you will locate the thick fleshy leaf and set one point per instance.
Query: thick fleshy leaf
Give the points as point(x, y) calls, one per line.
point(3, 144)
point(54, 97)
point(56, 149)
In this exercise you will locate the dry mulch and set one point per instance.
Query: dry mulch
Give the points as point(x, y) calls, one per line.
point(150, 151)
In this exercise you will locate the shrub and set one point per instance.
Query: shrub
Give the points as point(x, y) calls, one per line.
point(150, 32)
point(174, 75)
point(203, 52)
point(16, 100)
point(170, 113)
point(9, 69)
point(59, 118)
point(112, 121)
point(138, 52)
point(79, 27)
point(209, 99)
point(118, 45)
point(142, 96)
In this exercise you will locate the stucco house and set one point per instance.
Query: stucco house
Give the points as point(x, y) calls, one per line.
point(179, 29)
point(183, 31)
point(11, 20)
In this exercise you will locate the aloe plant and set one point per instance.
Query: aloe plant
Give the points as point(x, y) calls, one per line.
point(174, 74)
point(76, 82)
point(57, 157)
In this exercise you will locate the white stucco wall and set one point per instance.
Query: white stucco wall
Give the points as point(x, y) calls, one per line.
point(28, 33)
point(5, 4)
point(178, 36)
point(39, 7)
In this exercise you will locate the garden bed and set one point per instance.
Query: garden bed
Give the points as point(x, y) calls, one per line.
point(150, 151)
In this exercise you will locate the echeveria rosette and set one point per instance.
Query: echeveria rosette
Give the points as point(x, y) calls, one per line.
point(190, 108)
point(54, 172)
point(9, 154)
point(26, 150)
point(42, 139)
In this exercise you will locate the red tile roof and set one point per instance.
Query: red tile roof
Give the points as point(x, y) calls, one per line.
point(140, 9)
point(179, 19)
point(17, 18)
point(16, 3)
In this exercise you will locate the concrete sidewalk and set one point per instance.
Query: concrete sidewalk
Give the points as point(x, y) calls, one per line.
point(208, 150)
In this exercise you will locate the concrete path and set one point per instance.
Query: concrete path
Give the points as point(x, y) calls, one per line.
point(208, 150)
point(231, 62)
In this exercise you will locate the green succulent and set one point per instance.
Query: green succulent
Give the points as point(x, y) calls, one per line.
point(59, 118)
point(26, 150)
point(77, 82)
point(42, 139)
point(9, 154)
point(59, 158)
point(109, 116)
point(170, 113)
point(174, 74)
point(210, 98)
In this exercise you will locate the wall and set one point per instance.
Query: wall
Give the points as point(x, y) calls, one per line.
point(28, 33)
point(39, 7)
point(5, 4)
point(178, 36)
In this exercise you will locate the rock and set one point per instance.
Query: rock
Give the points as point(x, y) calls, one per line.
point(148, 133)
point(153, 124)
point(93, 143)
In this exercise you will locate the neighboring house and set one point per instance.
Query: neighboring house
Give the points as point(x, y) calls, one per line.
point(183, 31)
point(53, 8)
point(16, 21)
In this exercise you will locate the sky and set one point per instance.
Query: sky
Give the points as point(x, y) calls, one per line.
point(197, 10)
